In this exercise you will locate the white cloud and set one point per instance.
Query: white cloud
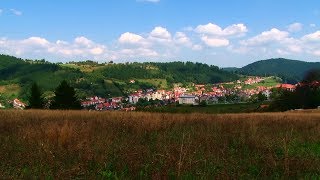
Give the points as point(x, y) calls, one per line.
point(160, 34)
point(295, 27)
point(16, 12)
point(214, 36)
point(312, 25)
point(182, 39)
point(312, 37)
point(266, 37)
point(139, 52)
point(215, 42)
point(36, 41)
point(81, 47)
point(132, 39)
point(165, 45)
point(83, 41)
point(295, 48)
point(97, 50)
point(215, 30)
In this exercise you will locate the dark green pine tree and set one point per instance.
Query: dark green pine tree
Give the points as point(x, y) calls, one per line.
point(35, 100)
point(65, 97)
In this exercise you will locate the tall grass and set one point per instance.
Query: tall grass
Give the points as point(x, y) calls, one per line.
point(79, 144)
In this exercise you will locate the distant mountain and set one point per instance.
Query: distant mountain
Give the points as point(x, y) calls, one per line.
point(291, 71)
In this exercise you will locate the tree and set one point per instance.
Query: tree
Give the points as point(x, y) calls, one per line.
point(35, 100)
point(306, 95)
point(262, 97)
point(65, 97)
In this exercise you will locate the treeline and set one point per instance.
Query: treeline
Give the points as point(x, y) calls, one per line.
point(305, 96)
point(173, 72)
point(64, 98)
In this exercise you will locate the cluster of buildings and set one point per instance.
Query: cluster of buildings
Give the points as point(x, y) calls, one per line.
point(182, 95)
point(98, 103)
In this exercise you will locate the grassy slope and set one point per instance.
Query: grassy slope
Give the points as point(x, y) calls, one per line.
point(82, 68)
point(268, 82)
point(158, 83)
point(73, 144)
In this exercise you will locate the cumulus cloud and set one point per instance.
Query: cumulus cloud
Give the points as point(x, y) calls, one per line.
point(277, 42)
point(215, 30)
point(312, 37)
point(266, 37)
point(132, 39)
point(215, 42)
point(213, 35)
point(16, 12)
point(182, 39)
point(83, 41)
point(36, 41)
point(159, 43)
point(139, 52)
point(160, 34)
point(81, 47)
point(295, 27)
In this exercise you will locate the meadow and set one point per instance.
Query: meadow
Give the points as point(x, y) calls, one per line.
point(141, 145)
point(208, 109)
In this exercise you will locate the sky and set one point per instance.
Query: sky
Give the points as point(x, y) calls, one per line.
point(228, 33)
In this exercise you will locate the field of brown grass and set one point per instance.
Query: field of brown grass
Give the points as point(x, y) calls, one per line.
point(138, 145)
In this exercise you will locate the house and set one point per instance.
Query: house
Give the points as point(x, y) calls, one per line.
point(117, 99)
point(289, 87)
point(189, 99)
point(17, 104)
point(91, 101)
point(134, 98)
point(107, 106)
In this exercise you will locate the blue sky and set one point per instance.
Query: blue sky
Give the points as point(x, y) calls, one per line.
point(223, 33)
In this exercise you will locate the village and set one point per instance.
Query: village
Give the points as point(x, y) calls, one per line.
point(195, 95)
point(222, 93)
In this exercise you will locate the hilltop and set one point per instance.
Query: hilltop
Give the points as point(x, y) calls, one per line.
point(291, 71)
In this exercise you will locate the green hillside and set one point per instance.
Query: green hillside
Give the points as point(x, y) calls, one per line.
point(291, 71)
point(91, 78)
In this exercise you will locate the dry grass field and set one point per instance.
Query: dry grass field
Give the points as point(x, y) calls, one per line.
point(139, 145)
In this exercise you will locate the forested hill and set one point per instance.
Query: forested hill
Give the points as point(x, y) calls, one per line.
point(91, 78)
point(291, 71)
point(172, 72)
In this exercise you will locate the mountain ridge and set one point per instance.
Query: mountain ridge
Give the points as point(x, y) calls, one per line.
point(291, 71)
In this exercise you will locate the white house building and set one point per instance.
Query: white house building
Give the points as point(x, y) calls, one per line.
point(188, 99)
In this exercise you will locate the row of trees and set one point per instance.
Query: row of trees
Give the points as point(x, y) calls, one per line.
point(306, 95)
point(65, 97)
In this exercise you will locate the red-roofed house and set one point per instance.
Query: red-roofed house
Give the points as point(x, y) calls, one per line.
point(289, 87)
